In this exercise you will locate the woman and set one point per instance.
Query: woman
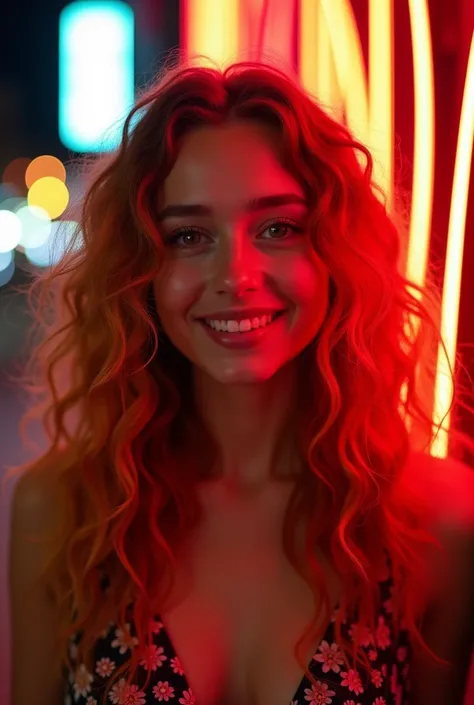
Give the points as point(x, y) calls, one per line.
point(234, 516)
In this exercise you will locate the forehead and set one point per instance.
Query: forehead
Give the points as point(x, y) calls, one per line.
point(228, 165)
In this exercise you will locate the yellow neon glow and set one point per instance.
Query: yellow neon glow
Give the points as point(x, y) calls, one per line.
point(381, 71)
point(423, 158)
point(368, 108)
point(211, 28)
point(454, 255)
point(316, 62)
point(349, 64)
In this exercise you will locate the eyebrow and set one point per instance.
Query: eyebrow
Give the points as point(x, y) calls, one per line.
point(252, 206)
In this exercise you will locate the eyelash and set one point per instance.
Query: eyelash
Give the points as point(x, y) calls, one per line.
point(173, 238)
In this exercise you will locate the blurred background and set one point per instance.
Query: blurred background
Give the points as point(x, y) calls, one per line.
point(400, 73)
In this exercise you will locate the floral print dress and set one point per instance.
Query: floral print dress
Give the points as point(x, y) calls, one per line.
point(387, 683)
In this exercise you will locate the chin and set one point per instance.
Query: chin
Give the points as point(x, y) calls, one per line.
point(240, 374)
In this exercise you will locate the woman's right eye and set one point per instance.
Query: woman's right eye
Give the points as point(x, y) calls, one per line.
point(185, 235)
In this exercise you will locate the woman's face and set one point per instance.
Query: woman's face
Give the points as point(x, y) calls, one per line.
point(234, 223)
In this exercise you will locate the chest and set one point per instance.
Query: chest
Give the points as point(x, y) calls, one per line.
point(238, 609)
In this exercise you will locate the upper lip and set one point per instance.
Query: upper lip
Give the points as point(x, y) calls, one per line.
point(240, 314)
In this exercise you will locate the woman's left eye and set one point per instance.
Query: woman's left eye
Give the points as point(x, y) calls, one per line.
point(278, 229)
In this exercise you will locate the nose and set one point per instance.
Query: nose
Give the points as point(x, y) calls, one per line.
point(238, 267)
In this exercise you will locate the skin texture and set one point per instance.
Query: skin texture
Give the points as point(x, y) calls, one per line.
point(237, 259)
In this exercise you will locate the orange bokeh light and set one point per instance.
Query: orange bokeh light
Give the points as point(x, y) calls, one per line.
point(45, 165)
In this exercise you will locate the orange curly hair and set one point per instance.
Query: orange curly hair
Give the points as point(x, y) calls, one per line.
point(126, 486)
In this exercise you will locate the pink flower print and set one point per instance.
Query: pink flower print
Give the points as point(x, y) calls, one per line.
point(350, 702)
point(188, 698)
point(82, 681)
point(351, 680)
point(330, 657)
point(123, 640)
point(363, 633)
point(156, 626)
point(372, 654)
point(104, 667)
point(376, 677)
point(382, 634)
point(401, 653)
point(176, 665)
point(319, 694)
point(383, 668)
point(380, 701)
point(124, 694)
point(154, 657)
point(163, 691)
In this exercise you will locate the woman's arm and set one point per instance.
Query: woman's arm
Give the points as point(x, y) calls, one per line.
point(35, 679)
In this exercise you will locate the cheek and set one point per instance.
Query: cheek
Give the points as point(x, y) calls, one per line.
point(176, 291)
point(304, 282)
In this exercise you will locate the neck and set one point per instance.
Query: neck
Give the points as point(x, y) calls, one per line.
point(251, 425)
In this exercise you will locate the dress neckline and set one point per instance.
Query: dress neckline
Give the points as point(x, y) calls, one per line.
point(304, 682)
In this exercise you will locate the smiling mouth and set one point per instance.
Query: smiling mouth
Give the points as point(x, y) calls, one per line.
point(246, 325)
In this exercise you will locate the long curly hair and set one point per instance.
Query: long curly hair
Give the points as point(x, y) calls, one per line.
point(114, 394)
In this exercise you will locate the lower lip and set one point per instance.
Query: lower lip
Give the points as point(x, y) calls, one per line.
point(241, 341)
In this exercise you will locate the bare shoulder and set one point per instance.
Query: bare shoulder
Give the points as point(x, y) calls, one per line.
point(35, 677)
point(447, 485)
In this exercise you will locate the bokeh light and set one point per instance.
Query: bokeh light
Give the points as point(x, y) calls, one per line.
point(51, 194)
point(53, 250)
point(8, 191)
point(6, 259)
point(10, 230)
point(12, 204)
point(45, 165)
point(35, 226)
point(6, 275)
point(14, 173)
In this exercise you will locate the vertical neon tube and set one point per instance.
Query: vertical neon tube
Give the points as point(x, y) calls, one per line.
point(454, 255)
point(381, 92)
point(96, 73)
point(315, 60)
point(369, 108)
point(423, 158)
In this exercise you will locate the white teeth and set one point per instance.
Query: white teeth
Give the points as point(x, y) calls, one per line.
point(241, 326)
